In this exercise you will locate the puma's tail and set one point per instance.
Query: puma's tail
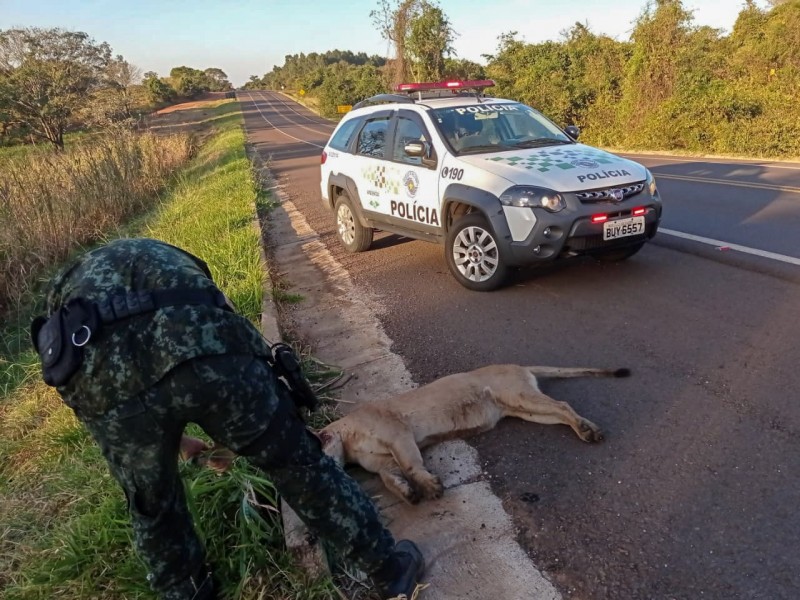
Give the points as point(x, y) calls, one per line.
point(561, 373)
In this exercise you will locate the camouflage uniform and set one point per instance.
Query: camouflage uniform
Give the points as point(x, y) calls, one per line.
point(146, 377)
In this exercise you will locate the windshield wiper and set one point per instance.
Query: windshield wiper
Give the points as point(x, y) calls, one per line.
point(542, 141)
point(485, 148)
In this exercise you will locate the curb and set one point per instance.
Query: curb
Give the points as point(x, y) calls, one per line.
point(305, 550)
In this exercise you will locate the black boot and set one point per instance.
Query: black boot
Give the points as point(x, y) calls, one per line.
point(398, 577)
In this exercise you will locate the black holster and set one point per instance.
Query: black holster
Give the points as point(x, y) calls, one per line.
point(59, 339)
point(284, 361)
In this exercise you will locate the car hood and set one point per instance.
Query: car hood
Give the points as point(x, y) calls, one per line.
point(566, 168)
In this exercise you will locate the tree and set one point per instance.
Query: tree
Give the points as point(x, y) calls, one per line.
point(253, 83)
point(421, 34)
point(188, 82)
point(429, 41)
point(46, 75)
point(217, 80)
point(461, 68)
point(115, 102)
point(393, 23)
point(157, 90)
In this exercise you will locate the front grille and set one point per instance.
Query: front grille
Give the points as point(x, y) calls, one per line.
point(608, 194)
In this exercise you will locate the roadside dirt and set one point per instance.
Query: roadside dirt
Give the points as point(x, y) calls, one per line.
point(194, 117)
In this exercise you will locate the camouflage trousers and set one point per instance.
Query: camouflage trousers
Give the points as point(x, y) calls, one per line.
point(236, 402)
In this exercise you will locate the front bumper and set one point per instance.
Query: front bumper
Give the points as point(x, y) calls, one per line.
point(572, 233)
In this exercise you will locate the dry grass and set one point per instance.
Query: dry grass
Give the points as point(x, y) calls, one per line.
point(51, 203)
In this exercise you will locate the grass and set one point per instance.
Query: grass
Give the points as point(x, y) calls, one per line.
point(51, 203)
point(16, 151)
point(64, 530)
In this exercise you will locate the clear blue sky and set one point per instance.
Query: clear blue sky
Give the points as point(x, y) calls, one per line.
point(248, 37)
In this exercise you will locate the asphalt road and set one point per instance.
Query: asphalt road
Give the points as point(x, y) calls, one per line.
point(694, 493)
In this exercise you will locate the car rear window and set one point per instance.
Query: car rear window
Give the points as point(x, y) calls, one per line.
point(341, 139)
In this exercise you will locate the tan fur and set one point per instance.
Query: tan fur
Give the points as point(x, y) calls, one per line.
point(385, 437)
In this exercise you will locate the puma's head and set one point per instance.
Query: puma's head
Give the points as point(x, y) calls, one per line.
point(332, 445)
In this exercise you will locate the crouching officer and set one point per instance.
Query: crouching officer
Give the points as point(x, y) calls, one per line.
point(138, 342)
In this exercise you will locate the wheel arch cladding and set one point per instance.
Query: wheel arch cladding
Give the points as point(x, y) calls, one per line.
point(342, 183)
point(457, 196)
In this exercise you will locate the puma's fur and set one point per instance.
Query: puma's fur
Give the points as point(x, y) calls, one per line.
point(385, 437)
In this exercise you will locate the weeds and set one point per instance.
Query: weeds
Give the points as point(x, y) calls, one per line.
point(64, 528)
point(52, 203)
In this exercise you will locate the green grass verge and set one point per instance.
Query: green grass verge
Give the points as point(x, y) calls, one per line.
point(64, 531)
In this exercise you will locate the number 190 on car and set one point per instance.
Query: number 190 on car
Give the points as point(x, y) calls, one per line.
point(621, 228)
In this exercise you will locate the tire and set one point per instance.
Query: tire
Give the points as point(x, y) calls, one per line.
point(354, 236)
point(473, 255)
point(618, 254)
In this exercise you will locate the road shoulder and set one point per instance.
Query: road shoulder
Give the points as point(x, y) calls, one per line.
point(467, 537)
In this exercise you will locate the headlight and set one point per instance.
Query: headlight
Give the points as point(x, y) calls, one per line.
point(651, 184)
point(523, 195)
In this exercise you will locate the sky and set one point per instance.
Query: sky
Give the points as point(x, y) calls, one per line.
point(248, 37)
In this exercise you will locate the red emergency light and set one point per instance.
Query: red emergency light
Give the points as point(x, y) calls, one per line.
point(475, 84)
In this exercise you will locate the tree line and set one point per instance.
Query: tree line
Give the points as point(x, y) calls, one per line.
point(53, 81)
point(674, 85)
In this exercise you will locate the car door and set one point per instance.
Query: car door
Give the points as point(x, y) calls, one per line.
point(371, 166)
point(416, 203)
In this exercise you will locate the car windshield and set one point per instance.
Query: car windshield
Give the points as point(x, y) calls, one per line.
point(488, 127)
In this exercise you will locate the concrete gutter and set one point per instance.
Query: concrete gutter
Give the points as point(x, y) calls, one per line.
point(468, 539)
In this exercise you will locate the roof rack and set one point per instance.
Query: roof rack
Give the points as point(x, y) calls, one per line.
point(385, 99)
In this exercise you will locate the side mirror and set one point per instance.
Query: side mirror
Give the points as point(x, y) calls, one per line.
point(572, 131)
point(415, 149)
point(424, 151)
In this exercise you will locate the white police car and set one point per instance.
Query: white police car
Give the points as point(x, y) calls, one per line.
point(494, 180)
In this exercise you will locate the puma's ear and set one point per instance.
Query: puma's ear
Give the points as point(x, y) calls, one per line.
point(325, 437)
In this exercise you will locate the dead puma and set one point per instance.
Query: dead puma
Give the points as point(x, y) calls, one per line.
point(385, 437)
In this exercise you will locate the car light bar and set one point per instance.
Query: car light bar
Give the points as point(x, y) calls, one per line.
point(475, 84)
point(599, 218)
point(638, 212)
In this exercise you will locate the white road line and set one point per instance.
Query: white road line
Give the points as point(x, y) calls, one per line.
point(746, 184)
point(317, 131)
point(720, 244)
point(279, 130)
point(320, 122)
point(713, 162)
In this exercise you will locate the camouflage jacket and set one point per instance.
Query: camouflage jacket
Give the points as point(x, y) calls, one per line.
point(132, 355)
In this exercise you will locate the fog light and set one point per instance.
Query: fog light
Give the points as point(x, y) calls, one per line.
point(546, 232)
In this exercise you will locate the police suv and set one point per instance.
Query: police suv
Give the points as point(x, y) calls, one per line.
point(495, 181)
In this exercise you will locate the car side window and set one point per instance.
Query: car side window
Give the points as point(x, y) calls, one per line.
point(408, 131)
point(341, 139)
point(372, 140)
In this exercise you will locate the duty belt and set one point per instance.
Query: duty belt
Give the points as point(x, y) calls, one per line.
point(59, 339)
point(117, 307)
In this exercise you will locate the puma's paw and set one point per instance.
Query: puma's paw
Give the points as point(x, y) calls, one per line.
point(589, 432)
point(432, 487)
point(411, 495)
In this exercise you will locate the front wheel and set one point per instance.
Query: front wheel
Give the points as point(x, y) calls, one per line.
point(473, 256)
point(354, 236)
point(618, 254)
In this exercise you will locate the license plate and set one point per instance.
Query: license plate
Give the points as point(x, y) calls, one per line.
point(613, 230)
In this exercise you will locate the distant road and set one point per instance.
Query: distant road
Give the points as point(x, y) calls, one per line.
point(755, 204)
point(694, 492)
